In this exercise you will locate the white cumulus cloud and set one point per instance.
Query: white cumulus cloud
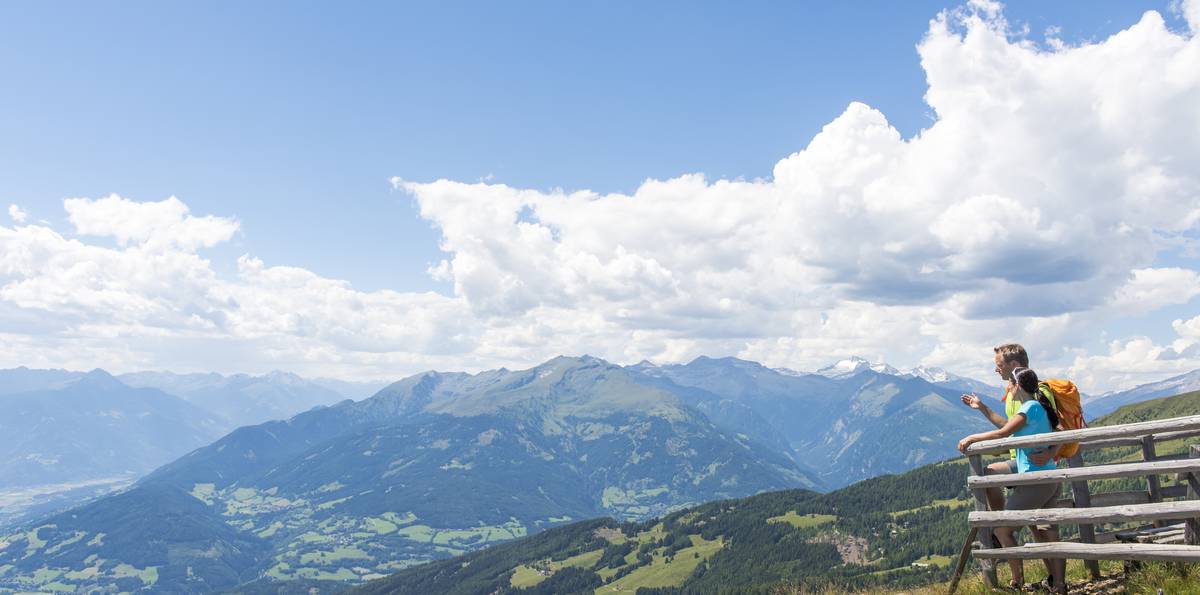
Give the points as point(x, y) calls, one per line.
point(17, 214)
point(152, 224)
point(1039, 206)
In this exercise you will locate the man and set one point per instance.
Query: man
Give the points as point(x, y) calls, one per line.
point(1008, 357)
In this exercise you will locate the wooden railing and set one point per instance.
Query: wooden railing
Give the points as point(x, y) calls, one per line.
point(1086, 509)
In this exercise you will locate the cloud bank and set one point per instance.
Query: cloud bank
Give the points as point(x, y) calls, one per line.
point(1040, 205)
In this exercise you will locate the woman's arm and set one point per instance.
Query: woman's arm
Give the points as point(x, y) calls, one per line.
point(1014, 424)
point(1046, 457)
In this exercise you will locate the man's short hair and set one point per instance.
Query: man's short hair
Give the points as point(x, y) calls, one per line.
point(1013, 352)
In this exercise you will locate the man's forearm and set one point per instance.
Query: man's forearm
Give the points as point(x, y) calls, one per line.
point(992, 416)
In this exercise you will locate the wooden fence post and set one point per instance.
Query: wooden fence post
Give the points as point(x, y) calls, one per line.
point(1153, 488)
point(1083, 499)
point(987, 567)
point(1191, 528)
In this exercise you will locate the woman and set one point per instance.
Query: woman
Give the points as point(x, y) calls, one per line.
point(1035, 416)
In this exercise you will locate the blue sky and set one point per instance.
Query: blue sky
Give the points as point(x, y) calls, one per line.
point(291, 117)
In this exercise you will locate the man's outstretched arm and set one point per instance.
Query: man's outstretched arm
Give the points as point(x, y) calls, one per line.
point(976, 403)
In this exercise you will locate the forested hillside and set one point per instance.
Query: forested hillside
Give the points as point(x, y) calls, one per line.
point(890, 531)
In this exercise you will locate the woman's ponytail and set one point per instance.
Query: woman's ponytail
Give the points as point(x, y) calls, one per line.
point(1027, 381)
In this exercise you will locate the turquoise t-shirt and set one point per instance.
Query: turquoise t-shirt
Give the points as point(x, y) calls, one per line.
point(1036, 422)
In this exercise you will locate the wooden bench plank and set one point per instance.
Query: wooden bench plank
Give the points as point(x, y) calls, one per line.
point(1136, 440)
point(1137, 429)
point(1093, 551)
point(1084, 473)
point(1101, 514)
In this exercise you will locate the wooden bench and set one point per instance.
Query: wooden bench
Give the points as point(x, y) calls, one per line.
point(1084, 509)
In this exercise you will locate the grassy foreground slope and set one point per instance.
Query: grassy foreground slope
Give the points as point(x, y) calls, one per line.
point(883, 533)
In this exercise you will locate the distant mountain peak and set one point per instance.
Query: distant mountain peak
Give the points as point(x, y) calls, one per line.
point(853, 365)
point(930, 373)
point(100, 379)
point(284, 377)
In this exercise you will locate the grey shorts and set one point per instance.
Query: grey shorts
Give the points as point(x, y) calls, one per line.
point(1030, 497)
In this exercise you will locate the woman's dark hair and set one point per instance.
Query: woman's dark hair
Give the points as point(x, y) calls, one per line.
point(1027, 380)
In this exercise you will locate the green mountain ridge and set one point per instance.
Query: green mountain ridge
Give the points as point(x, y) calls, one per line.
point(844, 429)
point(432, 466)
point(439, 465)
point(903, 529)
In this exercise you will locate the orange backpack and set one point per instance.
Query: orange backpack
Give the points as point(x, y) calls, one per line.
point(1064, 397)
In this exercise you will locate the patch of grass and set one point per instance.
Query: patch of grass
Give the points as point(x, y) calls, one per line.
point(935, 560)
point(421, 533)
point(1177, 579)
point(97, 540)
point(399, 519)
point(45, 575)
point(75, 537)
point(607, 573)
point(655, 533)
point(951, 503)
point(524, 577)
point(663, 573)
point(341, 574)
point(243, 494)
point(801, 521)
point(149, 575)
point(479, 535)
point(341, 553)
point(312, 537)
point(271, 530)
point(584, 560)
point(611, 535)
point(972, 583)
point(33, 542)
point(279, 571)
point(204, 492)
point(86, 573)
point(380, 526)
point(332, 503)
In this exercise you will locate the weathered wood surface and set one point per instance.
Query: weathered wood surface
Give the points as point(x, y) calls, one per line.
point(1172, 533)
point(962, 559)
point(1119, 498)
point(1152, 486)
point(1087, 474)
point(1136, 440)
point(1191, 532)
point(1095, 551)
point(1138, 429)
point(1083, 499)
point(1102, 514)
point(987, 568)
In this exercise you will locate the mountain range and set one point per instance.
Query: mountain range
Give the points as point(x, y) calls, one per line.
point(433, 465)
point(240, 400)
point(887, 532)
point(439, 464)
point(70, 436)
point(847, 425)
point(1111, 401)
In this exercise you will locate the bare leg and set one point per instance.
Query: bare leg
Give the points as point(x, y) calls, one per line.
point(995, 496)
point(1005, 536)
point(1057, 567)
